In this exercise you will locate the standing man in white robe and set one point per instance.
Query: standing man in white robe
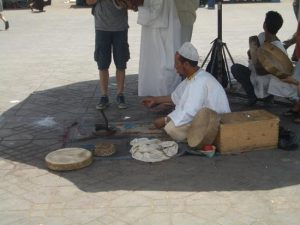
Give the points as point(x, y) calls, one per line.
point(264, 87)
point(186, 11)
point(198, 90)
point(160, 39)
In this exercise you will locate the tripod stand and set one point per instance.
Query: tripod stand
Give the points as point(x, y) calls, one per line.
point(218, 65)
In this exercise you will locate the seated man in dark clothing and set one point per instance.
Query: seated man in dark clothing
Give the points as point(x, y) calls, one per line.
point(264, 87)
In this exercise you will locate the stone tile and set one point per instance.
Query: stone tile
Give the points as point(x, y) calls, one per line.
point(16, 189)
point(163, 209)
point(130, 200)
point(41, 195)
point(15, 143)
point(11, 218)
point(88, 201)
point(65, 194)
point(155, 218)
point(131, 214)
point(154, 195)
point(283, 217)
point(39, 207)
point(49, 180)
point(13, 202)
point(84, 216)
point(208, 212)
point(5, 133)
point(47, 221)
point(187, 219)
point(6, 164)
point(106, 220)
point(94, 222)
point(38, 213)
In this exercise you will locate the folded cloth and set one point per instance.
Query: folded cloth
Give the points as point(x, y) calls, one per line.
point(152, 150)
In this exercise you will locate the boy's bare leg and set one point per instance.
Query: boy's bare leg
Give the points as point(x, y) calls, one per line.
point(120, 76)
point(103, 82)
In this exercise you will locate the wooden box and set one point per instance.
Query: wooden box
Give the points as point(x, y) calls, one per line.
point(246, 131)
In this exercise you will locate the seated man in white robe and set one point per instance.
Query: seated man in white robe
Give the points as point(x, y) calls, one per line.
point(199, 89)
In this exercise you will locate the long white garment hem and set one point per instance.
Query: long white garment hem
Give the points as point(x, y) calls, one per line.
point(157, 75)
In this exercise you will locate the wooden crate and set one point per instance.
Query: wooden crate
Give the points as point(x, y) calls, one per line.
point(246, 131)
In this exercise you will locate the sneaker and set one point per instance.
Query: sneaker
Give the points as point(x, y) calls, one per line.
point(6, 25)
point(103, 104)
point(121, 101)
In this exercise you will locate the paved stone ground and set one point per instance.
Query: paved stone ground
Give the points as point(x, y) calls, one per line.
point(49, 82)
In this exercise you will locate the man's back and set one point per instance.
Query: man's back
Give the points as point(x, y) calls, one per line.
point(203, 90)
point(109, 18)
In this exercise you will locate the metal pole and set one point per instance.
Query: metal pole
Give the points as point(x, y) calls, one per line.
point(220, 19)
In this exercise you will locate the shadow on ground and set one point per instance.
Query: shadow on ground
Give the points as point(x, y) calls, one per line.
point(41, 124)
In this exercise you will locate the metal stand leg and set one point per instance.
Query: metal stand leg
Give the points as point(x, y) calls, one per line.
point(219, 52)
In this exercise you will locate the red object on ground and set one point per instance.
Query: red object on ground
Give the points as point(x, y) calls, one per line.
point(208, 147)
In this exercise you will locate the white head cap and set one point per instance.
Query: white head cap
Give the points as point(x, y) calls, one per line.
point(188, 51)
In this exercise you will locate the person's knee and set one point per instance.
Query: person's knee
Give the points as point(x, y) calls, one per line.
point(176, 133)
point(103, 65)
point(121, 52)
point(121, 56)
point(239, 71)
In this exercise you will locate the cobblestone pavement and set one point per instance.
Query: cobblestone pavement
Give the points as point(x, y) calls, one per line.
point(49, 83)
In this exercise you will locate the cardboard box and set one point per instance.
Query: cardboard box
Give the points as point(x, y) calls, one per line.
point(246, 131)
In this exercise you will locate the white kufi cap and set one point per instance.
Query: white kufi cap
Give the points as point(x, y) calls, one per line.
point(188, 51)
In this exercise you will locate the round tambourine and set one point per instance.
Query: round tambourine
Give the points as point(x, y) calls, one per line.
point(253, 48)
point(274, 60)
point(104, 149)
point(204, 128)
point(68, 159)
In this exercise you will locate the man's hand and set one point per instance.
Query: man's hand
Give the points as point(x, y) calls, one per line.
point(290, 80)
point(149, 102)
point(153, 101)
point(249, 54)
point(159, 122)
point(134, 4)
